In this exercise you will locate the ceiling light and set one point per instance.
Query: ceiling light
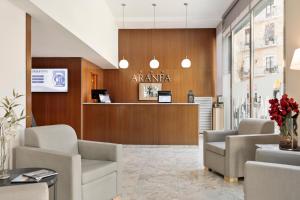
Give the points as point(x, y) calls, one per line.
point(123, 64)
point(186, 63)
point(154, 64)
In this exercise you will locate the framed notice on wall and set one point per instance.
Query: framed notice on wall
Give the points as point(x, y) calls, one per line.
point(149, 91)
point(49, 80)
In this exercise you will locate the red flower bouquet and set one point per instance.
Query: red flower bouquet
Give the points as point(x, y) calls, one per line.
point(285, 112)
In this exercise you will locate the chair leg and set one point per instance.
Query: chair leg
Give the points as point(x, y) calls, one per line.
point(117, 198)
point(231, 179)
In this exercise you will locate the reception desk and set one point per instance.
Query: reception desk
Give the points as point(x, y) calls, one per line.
point(141, 123)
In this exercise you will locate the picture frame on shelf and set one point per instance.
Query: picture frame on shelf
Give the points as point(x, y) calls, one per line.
point(149, 91)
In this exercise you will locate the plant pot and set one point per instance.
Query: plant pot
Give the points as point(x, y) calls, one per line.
point(4, 157)
point(288, 135)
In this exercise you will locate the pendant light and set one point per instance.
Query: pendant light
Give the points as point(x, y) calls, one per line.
point(123, 64)
point(186, 63)
point(154, 64)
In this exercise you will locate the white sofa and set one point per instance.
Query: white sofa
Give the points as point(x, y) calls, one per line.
point(87, 170)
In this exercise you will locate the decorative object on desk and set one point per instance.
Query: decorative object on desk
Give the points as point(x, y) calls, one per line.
point(220, 100)
point(9, 124)
point(191, 97)
point(285, 112)
point(149, 91)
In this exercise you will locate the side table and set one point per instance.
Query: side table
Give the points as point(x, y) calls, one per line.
point(51, 180)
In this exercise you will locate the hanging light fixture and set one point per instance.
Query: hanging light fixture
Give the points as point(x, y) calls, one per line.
point(154, 64)
point(186, 63)
point(123, 64)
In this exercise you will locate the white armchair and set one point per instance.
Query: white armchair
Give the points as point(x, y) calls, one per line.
point(87, 170)
point(275, 175)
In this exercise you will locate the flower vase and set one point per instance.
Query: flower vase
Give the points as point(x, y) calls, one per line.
point(288, 135)
point(4, 156)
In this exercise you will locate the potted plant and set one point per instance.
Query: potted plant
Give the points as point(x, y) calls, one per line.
point(285, 112)
point(9, 123)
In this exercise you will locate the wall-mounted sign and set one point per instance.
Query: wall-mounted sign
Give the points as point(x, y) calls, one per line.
point(151, 77)
point(49, 80)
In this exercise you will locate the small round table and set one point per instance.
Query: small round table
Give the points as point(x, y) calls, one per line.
point(51, 180)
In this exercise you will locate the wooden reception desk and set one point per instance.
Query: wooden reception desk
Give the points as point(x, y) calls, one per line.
point(141, 123)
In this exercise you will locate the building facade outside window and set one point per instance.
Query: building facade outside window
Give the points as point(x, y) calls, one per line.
point(257, 71)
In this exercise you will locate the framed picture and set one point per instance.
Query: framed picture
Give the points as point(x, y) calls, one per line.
point(149, 91)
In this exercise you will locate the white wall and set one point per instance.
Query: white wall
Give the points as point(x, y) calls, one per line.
point(12, 51)
point(292, 41)
point(91, 21)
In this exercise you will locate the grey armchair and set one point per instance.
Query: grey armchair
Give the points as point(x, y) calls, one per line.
point(226, 152)
point(25, 192)
point(274, 176)
point(87, 170)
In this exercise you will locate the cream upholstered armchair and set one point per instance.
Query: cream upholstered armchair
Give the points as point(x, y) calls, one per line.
point(226, 152)
point(275, 175)
point(25, 192)
point(87, 170)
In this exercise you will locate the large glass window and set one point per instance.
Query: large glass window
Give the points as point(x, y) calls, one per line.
point(268, 55)
point(257, 67)
point(241, 72)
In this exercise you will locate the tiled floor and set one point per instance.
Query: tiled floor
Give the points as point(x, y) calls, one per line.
point(172, 173)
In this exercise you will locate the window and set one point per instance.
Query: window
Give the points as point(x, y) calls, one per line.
point(270, 9)
point(253, 84)
point(270, 64)
point(247, 37)
point(241, 72)
point(269, 34)
point(268, 70)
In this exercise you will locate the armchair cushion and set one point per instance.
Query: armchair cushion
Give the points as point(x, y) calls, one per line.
point(95, 169)
point(60, 138)
point(256, 126)
point(216, 147)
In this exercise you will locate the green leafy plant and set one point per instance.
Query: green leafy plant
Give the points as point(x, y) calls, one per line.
point(10, 120)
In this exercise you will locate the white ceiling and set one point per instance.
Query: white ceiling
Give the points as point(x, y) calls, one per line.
point(169, 13)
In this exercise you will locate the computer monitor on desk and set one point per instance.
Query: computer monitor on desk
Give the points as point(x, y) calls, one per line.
point(164, 97)
point(101, 96)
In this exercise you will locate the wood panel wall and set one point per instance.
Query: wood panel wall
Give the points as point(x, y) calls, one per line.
point(59, 108)
point(89, 69)
point(168, 46)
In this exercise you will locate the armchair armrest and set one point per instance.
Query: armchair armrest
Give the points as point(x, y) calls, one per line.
point(264, 181)
point(280, 157)
point(217, 136)
point(100, 150)
point(67, 166)
point(103, 151)
point(241, 148)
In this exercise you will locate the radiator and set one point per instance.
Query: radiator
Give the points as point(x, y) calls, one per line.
point(205, 113)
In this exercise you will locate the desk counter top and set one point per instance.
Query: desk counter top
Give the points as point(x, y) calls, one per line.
point(140, 104)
